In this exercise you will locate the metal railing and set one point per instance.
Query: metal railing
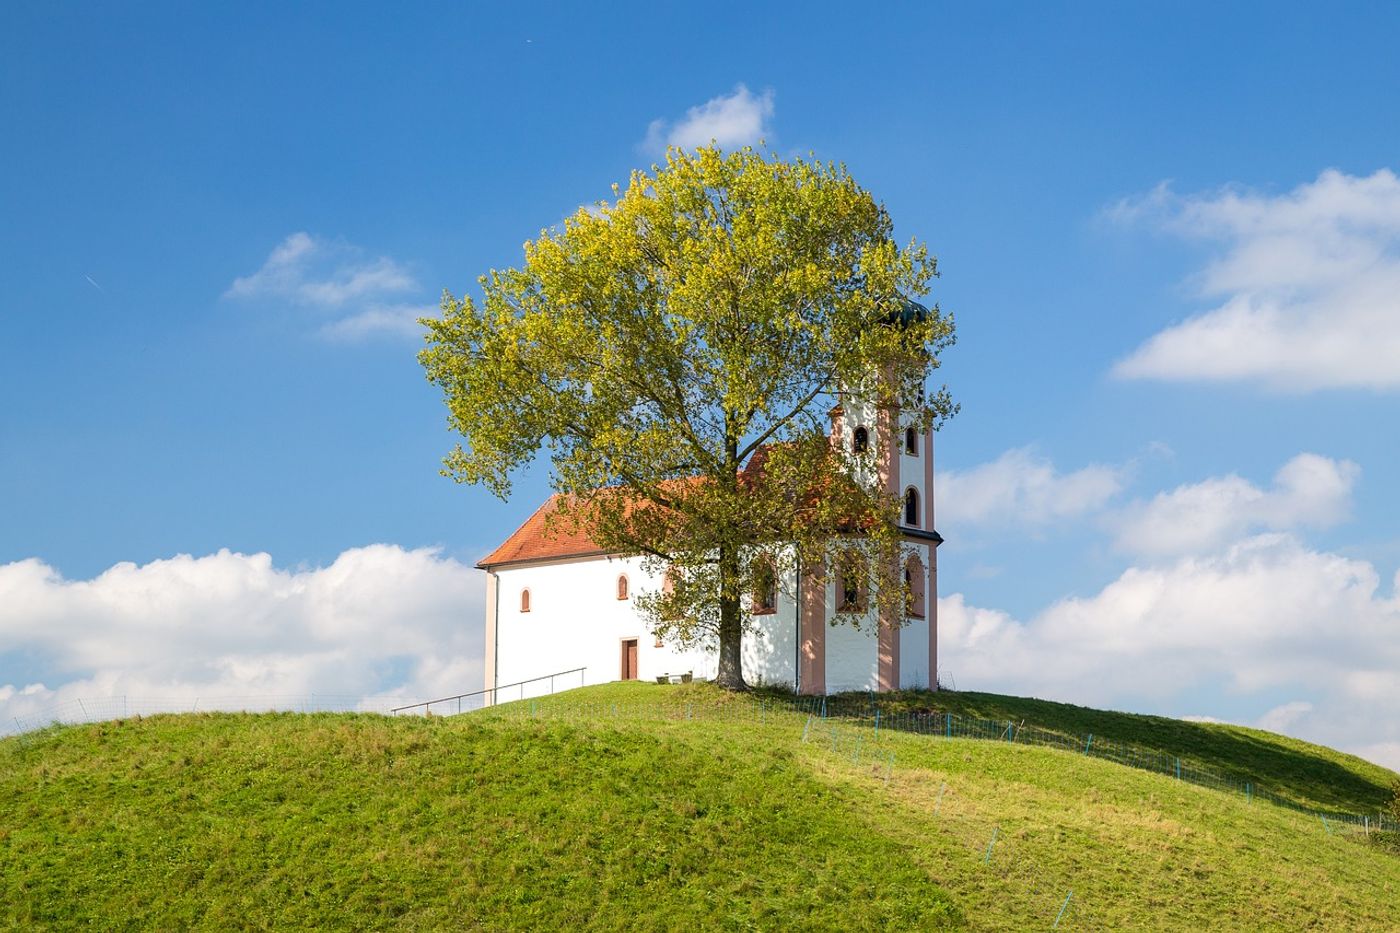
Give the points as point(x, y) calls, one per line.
point(494, 693)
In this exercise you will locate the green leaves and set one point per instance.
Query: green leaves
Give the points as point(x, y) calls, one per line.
point(722, 302)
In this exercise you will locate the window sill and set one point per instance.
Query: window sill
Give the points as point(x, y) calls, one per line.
point(764, 612)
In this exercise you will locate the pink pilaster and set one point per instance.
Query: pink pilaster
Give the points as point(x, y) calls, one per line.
point(811, 655)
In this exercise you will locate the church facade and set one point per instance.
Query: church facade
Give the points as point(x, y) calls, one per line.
point(558, 602)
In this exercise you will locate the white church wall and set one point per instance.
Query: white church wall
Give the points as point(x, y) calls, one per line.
point(852, 655)
point(913, 638)
point(913, 655)
point(770, 652)
point(576, 620)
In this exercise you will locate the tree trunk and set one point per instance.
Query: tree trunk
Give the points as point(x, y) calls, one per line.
point(731, 632)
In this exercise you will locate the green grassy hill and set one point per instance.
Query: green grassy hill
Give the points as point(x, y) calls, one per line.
point(639, 806)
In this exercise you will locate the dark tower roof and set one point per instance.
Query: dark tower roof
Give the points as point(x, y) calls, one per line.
point(909, 312)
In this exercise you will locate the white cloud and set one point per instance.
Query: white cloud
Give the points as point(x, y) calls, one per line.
point(1382, 753)
point(390, 321)
point(737, 119)
point(333, 277)
point(1264, 615)
point(1283, 718)
point(378, 620)
point(1308, 284)
point(1309, 491)
point(1022, 488)
point(309, 271)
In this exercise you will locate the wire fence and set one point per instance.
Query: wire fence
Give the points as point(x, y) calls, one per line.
point(1029, 888)
point(864, 713)
point(870, 716)
point(847, 731)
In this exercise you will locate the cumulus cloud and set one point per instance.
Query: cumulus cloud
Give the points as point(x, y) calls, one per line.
point(336, 279)
point(1023, 488)
point(378, 620)
point(1263, 616)
point(390, 321)
point(1309, 491)
point(310, 271)
point(733, 120)
point(1308, 285)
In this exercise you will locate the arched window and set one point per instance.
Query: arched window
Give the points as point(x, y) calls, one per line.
point(669, 582)
point(851, 583)
point(911, 442)
point(911, 507)
point(914, 584)
point(860, 440)
point(765, 587)
point(622, 586)
point(524, 600)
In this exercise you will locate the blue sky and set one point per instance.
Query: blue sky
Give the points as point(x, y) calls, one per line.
point(1169, 235)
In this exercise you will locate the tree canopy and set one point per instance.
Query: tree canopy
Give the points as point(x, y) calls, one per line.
point(676, 351)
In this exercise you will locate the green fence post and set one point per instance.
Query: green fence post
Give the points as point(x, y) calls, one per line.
point(1062, 910)
point(1089, 742)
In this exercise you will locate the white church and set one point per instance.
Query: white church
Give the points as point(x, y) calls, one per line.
point(559, 602)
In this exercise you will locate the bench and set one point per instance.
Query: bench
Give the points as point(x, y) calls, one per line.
point(675, 678)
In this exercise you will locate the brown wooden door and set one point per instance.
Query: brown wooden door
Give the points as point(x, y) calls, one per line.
point(629, 659)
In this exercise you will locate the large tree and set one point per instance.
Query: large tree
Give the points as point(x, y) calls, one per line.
point(677, 351)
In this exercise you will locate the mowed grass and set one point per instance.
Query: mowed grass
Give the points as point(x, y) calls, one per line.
point(562, 813)
point(359, 821)
point(1311, 775)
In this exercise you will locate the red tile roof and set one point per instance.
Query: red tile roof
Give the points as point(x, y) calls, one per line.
point(532, 541)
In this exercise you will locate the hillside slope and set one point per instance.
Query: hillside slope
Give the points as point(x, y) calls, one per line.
point(643, 807)
point(1314, 776)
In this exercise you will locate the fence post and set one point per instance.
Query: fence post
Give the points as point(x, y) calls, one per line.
point(1088, 743)
point(1178, 769)
point(1062, 910)
point(877, 724)
point(948, 725)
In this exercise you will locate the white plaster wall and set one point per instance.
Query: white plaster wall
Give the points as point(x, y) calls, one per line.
point(913, 638)
point(576, 620)
point(913, 655)
point(770, 653)
point(852, 656)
